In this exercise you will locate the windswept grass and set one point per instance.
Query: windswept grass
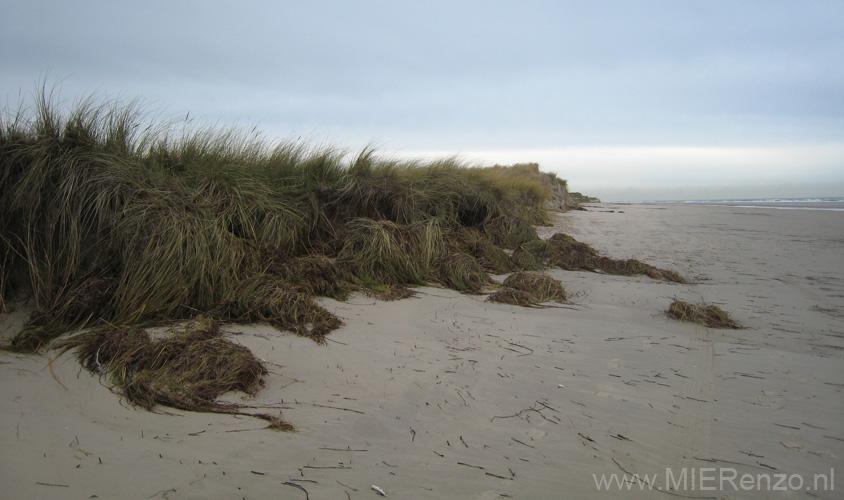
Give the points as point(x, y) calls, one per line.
point(510, 231)
point(111, 219)
point(382, 251)
point(490, 256)
point(110, 216)
point(461, 272)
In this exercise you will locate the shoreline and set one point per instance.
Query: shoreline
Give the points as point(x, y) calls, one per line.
point(447, 396)
point(831, 204)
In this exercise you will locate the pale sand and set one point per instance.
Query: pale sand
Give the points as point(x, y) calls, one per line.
point(447, 396)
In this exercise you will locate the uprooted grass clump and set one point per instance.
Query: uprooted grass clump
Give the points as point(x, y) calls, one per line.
point(507, 295)
point(188, 369)
point(572, 255)
point(528, 289)
point(708, 315)
point(544, 287)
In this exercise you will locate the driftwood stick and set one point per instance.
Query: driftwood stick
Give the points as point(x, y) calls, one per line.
point(331, 407)
point(516, 440)
point(288, 483)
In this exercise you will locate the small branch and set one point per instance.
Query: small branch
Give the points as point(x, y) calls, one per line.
point(288, 483)
point(516, 440)
point(331, 407)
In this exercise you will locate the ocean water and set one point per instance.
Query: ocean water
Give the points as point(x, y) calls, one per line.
point(834, 204)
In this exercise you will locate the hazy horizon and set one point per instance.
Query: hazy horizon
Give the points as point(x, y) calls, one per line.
point(627, 101)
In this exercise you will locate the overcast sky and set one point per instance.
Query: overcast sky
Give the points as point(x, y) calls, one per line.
point(625, 99)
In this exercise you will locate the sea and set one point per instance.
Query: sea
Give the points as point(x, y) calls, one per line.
point(833, 204)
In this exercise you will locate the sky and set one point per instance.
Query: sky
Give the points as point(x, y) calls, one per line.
point(627, 100)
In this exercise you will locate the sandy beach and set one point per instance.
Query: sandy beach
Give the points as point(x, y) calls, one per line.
point(446, 396)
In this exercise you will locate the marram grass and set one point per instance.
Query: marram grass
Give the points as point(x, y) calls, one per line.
point(111, 220)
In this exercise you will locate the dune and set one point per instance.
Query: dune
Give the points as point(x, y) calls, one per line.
point(447, 395)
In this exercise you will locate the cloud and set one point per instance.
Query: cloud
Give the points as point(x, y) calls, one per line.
point(658, 172)
point(462, 76)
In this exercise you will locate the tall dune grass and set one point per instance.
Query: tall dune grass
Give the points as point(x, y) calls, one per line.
point(112, 221)
point(108, 215)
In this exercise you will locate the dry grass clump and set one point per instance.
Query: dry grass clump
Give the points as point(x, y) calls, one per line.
point(540, 248)
point(188, 370)
point(461, 272)
point(529, 289)
point(544, 287)
point(531, 255)
point(314, 275)
point(569, 254)
point(664, 274)
point(514, 297)
point(525, 260)
point(710, 316)
point(389, 292)
point(264, 299)
point(572, 255)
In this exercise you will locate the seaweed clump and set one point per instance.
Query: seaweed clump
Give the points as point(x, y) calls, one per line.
point(708, 315)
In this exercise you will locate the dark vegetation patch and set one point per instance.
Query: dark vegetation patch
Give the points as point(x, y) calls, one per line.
point(189, 369)
point(544, 287)
point(710, 316)
point(529, 289)
point(461, 272)
point(567, 253)
point(110, 222)
point(507, 295)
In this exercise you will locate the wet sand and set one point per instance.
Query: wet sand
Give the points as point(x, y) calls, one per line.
point(448, 396)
